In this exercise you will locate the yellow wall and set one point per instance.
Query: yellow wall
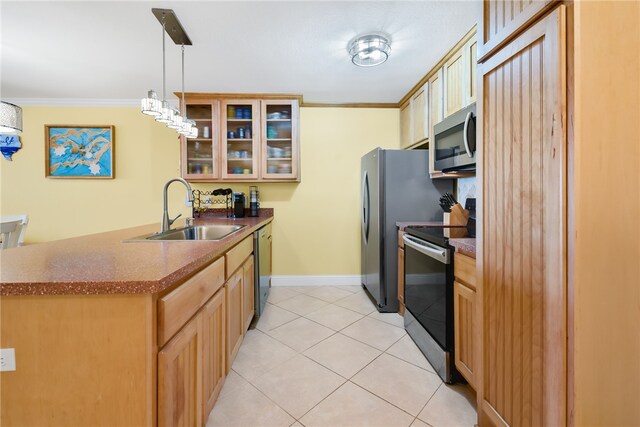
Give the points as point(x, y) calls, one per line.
point(316, 227)
point(146, 155)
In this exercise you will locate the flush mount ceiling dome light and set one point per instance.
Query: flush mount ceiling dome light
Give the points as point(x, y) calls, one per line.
point(369, 50)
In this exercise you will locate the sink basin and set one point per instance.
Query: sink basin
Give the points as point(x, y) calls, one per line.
point(194, 232)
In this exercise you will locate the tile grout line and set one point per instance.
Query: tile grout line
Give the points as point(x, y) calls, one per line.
point(406, 361)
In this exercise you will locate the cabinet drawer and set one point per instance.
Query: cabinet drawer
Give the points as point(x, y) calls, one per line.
point(464, 269)
point(180, 305)
point(236, 256)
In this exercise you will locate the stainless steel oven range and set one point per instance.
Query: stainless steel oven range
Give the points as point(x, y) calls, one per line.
point(428, 278)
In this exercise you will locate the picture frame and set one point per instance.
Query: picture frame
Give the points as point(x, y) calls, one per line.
point(80, 151)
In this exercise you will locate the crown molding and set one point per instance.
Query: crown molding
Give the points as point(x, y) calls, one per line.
point(74, 102)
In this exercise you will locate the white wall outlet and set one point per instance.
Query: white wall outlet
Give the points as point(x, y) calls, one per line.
point(7, 359)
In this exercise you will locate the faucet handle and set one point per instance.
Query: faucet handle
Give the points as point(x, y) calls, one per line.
point(171, 221)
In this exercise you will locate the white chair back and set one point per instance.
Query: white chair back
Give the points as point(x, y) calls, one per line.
point(13, 229)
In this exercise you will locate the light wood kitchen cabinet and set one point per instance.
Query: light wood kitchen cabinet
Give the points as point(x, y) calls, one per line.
point(214, 350)
point(201, 155)
point(233, 292)
point(401, 306)
point(280, 144)
point(180, 378)
point(460, 73)
point(405, 125)
point(464, 312)
point(436, 112)
point(248, 293)
point(454, 83)
point(242, 138)
point(470, 71)
point(523, 160)
point(502, 19)
point(420, 114)
point(414, 118)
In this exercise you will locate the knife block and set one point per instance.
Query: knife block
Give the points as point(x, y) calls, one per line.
point(456, 220)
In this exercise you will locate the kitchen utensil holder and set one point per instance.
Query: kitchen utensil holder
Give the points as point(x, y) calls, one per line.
point(456, 220)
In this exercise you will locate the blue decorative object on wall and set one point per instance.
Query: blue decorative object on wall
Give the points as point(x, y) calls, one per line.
point(9, 144)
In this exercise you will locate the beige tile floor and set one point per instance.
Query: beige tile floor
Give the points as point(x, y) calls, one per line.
point(323, 356)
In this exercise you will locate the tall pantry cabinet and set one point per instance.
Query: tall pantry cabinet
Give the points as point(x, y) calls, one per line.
point(522, 299)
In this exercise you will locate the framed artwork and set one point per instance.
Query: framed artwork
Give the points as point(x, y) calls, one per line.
point(79, 151)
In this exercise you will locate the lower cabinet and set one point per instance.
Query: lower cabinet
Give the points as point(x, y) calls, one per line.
point(233, 292)
point(464, 300)
point(464, 308)
point(214, 354)
point(180, 377)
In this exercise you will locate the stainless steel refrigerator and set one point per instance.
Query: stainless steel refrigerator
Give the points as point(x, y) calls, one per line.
point(395, 187)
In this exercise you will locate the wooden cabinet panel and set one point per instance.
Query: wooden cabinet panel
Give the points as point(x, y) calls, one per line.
point(213, 318)
point(240, 152)
point(201, 155)
point(236, 256)
point(248, 293)
point(436, 111)
point(280, 147)
point(471, 71)
point(523, 168)
point(405, 125)
point(175, 308)
point(502, 19)
point(464, 269)
point(180, 378)
point(420, 115)
point(233, 292)
point(464, 308)
point(454, 90)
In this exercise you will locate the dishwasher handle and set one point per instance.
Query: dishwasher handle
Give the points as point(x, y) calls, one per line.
point(436, 252)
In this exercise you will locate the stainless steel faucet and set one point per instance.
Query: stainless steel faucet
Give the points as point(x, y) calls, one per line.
point(166, 221)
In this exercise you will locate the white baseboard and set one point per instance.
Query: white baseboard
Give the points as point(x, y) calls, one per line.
point(329, 280)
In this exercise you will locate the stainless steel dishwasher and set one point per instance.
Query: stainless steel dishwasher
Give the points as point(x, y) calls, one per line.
point(262, 253)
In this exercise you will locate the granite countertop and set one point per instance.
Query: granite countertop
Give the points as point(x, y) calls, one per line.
point(105, 264)
point(465, 245)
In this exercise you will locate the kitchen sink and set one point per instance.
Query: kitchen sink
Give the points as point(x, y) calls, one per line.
point(194, 232)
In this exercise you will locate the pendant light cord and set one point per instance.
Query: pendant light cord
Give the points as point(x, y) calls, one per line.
point(164, 66)
point(183, 106)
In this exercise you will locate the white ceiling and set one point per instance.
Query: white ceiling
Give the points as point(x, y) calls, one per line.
point(112, 51)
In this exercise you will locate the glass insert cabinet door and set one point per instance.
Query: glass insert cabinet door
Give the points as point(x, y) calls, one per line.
point(239, 135)
point(201, 155)
point(279, 139)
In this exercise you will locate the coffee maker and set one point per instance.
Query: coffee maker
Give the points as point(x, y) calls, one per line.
point(239, 202)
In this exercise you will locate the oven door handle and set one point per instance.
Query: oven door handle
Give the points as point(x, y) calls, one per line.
point(436, 252)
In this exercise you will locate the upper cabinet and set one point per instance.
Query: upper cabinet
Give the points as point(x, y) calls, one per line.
point(414, 118)
point(502, 20)
point(242, 139)
point(447, 88)
point(201, 156)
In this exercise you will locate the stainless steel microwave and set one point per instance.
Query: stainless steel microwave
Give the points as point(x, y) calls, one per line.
point(455, 141)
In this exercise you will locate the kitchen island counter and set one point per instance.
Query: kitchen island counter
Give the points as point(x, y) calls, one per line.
point(106, 263)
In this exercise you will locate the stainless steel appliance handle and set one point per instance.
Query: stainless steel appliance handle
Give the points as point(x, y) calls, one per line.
point(366, 202)
point(465, 137)
point(426, 248)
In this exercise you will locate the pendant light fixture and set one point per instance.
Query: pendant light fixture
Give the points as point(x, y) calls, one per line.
point(10, 118)
point(162, 111)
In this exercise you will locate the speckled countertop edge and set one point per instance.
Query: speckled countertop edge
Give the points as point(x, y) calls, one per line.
point(20, 275)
